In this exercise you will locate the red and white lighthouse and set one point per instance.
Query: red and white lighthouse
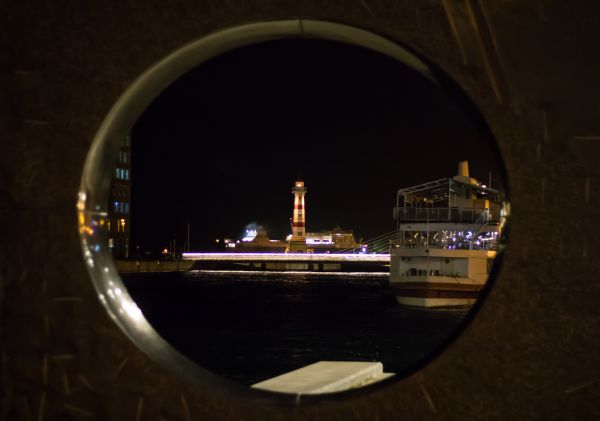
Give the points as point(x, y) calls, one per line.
point(298, 240)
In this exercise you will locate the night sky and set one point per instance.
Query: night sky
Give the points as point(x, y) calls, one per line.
point(222, 146)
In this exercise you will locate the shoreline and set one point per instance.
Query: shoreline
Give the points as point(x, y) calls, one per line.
point(133, 266)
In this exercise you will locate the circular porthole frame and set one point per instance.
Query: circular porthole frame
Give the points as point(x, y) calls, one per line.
point(95, 183)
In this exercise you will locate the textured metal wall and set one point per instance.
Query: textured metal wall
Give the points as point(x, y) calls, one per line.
point(531, 66)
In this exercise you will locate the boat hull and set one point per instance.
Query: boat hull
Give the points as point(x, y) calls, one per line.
point(430, 292)
point(438, 278)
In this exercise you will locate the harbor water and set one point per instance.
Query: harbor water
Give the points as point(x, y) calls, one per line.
point(251, 326)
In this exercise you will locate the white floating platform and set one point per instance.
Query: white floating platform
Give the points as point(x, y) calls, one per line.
point(326, 377)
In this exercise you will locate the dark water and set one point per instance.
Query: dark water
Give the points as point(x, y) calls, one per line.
point(250, 326)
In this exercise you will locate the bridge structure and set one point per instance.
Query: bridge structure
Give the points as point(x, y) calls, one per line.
point(379, 245)
point(325, 262)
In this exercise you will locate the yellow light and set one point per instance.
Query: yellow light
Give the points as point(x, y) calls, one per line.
point(81, 200)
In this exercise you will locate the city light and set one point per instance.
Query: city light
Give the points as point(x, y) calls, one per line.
point(287, 257)
point(250, 235)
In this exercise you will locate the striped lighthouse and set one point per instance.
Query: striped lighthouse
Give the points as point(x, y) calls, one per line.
point(298, 240)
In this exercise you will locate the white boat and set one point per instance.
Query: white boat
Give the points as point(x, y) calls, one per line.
point(448, 232)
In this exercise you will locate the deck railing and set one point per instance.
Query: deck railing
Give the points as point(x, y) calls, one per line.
point(487, 245)
point(458, 215)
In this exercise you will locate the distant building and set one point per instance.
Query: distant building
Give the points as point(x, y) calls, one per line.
point(119, 219)
point(335, 239)
point(255, 240)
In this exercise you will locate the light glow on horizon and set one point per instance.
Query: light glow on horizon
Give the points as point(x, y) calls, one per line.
point(291, 272)
point(288, 257)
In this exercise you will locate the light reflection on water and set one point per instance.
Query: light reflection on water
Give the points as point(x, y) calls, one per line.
point(251, 326)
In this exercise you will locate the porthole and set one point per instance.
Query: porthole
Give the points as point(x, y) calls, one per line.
point(447, 225)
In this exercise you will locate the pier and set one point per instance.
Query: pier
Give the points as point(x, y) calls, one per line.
point(291, 261)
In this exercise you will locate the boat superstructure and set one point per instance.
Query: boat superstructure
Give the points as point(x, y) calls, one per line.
point(447, 238)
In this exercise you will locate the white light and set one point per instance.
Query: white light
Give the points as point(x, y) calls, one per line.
point(290, 257)
point(250, 235)
point(131, 309)
point(291, 272)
